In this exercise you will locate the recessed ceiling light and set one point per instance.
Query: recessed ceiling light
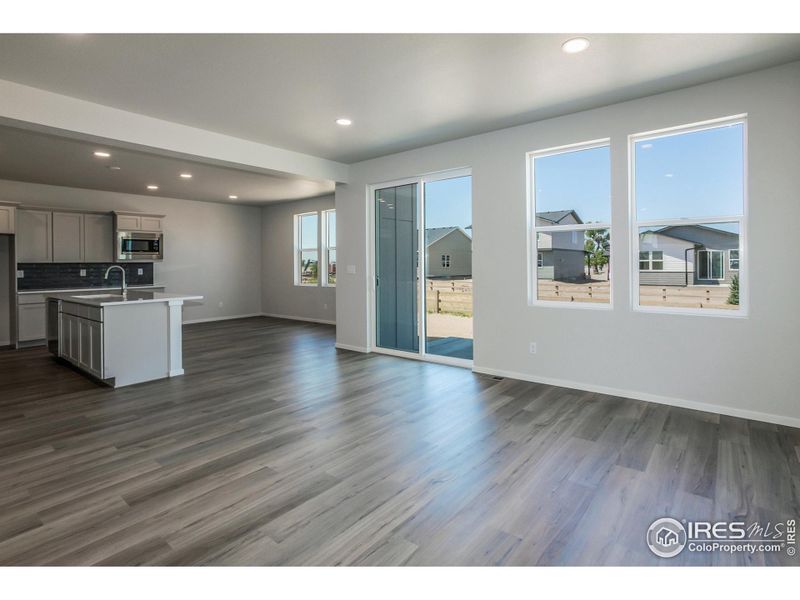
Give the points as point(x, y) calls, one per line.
point(101, 154)
point(152, 187)
point(232, 197)
point(575, 45)
point(186, 175)
point(344, 122)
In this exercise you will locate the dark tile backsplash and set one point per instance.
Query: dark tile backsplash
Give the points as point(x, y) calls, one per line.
point(57, 276)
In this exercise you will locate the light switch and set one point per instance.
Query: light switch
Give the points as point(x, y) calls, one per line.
point(20, 274)
point(83, 272)
point(140, 271)
point(351, 269)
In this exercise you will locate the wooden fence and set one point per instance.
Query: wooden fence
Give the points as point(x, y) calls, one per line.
point(649, 295)
point(449, 297)
point(455, 297)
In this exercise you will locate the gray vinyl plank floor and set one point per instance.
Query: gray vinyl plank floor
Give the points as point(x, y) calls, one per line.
point(277, 449)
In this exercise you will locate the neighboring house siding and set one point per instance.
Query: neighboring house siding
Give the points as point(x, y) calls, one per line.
point(677, 250)
point(459, 247)
point(562, 265)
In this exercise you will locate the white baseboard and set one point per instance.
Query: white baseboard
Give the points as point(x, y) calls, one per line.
point(226, 318)
point(293, 318)
point(353, 348)
point(668, 400)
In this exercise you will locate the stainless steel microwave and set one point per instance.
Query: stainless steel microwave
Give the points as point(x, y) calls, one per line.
point(140, 245)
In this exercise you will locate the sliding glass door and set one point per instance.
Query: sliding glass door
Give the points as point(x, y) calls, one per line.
point(424, 295)
point(396, 246)
point(448, 267)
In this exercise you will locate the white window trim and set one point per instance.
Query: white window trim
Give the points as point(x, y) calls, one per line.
point(533, 229)
point(325, 249)
point(635, 224)
point(298, 251)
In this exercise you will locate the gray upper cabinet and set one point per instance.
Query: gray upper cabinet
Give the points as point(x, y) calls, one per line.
point(98, 231)
point(64, 237)
point(68, 238)
point(7, 218)
point(34, 236)
point(138, 222)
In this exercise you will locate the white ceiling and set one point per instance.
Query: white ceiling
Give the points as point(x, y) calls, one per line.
point(402, 91)
point(54, 160)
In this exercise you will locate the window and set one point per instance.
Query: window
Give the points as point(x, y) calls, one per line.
point(652, 260)
point(445, 261)
point(329, 246)
point(306, 245)
point(709, 264)
point(688, 204)
point(733, 260)
point(570, 199)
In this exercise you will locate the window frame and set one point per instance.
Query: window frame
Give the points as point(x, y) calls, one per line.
point(325, 249)
point(298, 249)
point(534, 230)
point(731, 260)
point(710, 264)
point(445, 261)
point(741, 219)
point(650, 260)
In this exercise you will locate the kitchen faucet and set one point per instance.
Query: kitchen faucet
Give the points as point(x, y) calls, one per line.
point(124, 285)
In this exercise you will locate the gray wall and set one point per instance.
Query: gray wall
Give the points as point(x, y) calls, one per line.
point(279, 295)
point(210, 249)
point(661, 357)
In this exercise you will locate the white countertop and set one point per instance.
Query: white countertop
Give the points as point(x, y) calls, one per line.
point(99, 290)
point(102, 299)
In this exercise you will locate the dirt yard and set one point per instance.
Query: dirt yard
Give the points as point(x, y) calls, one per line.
point(444, 325)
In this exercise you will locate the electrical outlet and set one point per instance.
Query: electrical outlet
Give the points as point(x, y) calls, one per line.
point(140, 271)
point(532, 348)
point(20, 274)
point(221, 303)
point(325, 306)
point(83, 272)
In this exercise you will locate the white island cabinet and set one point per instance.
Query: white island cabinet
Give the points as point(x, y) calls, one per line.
point(118, 339)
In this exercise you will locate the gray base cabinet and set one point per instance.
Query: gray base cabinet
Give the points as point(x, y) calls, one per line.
point(81, 338)
point(32, 321)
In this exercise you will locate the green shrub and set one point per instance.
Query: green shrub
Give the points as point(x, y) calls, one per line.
point(733, 296)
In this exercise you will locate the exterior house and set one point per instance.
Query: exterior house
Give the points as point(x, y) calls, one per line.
point(449, 252)
point(560, 254)
point(683, 255)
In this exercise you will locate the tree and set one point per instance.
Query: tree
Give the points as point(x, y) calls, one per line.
point(596, 245)
point(733, 295)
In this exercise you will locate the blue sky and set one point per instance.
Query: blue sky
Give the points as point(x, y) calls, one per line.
point(698, 174)
point(448, 203)
point(580, 181)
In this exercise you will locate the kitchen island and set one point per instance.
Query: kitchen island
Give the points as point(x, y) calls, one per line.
point(120, 339)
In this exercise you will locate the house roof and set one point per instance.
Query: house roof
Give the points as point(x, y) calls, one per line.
point(434, 234)
point(686, 233)
point(556, 216)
